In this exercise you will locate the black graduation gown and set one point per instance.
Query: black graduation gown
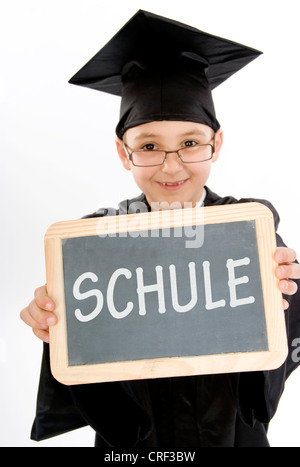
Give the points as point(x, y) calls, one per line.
point(226, 410)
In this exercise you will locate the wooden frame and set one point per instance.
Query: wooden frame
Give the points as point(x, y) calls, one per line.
point(167, 367)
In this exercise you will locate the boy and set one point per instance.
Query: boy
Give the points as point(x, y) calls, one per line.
point(168, 137)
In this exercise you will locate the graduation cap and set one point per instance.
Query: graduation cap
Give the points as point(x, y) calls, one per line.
point(164, 70)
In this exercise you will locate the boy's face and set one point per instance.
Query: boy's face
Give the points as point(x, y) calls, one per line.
point(174, 181)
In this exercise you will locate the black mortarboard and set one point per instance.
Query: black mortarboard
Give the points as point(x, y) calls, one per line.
point(164, 70)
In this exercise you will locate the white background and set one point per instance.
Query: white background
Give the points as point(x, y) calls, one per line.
point(58, 158)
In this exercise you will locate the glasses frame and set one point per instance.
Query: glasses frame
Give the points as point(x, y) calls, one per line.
point(130, 158)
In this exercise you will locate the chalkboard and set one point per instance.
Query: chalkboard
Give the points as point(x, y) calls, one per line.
point(160, 294)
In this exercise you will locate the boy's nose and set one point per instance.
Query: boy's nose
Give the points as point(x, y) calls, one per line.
point(172, 163)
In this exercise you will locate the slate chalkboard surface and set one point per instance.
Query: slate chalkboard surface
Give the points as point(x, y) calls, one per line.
point(193, 294)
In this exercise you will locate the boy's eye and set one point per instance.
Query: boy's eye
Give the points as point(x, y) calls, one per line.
point(188, 144)
point(149, 147)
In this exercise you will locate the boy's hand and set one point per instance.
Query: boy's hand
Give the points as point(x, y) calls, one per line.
point(286, 271)
point(38, 314)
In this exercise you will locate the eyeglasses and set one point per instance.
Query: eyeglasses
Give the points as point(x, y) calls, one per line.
point(154, 157)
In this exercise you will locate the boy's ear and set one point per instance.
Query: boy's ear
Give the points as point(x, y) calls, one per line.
point(122, 154)
point(218, 144)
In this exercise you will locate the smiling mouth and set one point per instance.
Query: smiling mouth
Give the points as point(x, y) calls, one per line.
point(172, 185)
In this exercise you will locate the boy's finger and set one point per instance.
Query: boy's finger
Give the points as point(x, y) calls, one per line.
point(43, 335)
point(40, 315)
point(288, 287)
point(30, 321)
point(285, 304)
point(288, 271)
point(43, 300)
point(285, 255)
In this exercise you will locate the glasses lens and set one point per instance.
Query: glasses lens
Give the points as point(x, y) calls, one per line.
point(196, 153)
point(147, 158)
